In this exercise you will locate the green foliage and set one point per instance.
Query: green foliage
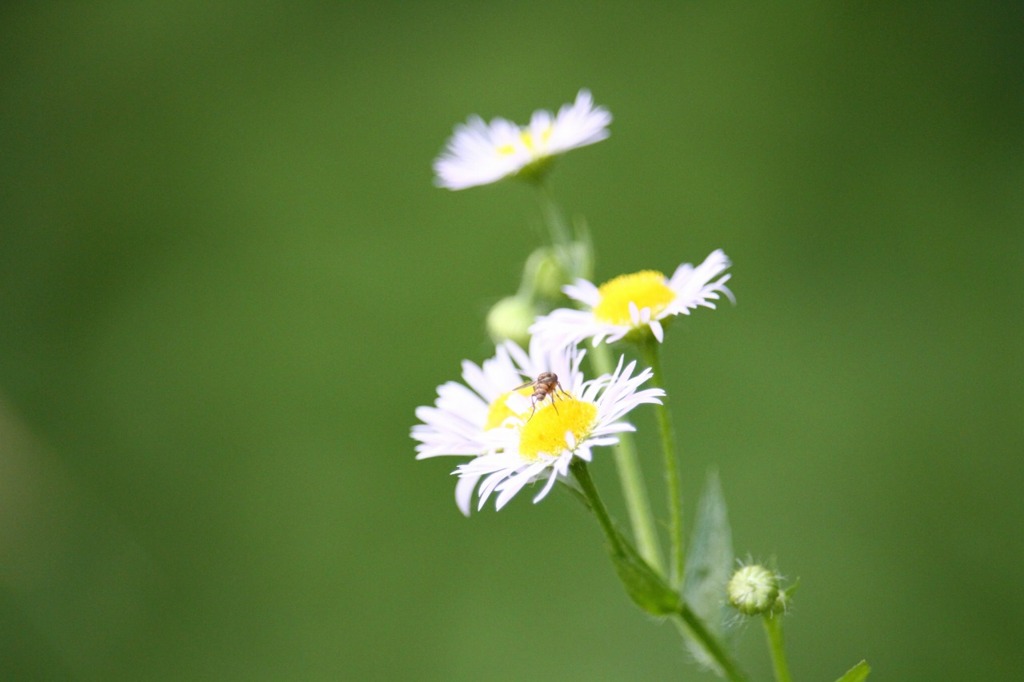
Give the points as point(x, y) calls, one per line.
point(646, 588)
point(709, 563)
point(857, 673)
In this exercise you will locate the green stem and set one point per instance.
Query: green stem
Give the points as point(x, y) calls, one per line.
point(634, 490)
point(773, 630)
point(645, 586)
point(700, 633)
point(593, 500)
point(650, 351)
point(558, 230)
point(687, 621)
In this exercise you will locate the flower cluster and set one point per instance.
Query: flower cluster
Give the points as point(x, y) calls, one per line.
point(524, 416)
point(532, 417)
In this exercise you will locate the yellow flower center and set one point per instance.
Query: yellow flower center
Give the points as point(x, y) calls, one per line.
point(534, 146)
point(646, 289)
point(544, 432)
point(500, 411)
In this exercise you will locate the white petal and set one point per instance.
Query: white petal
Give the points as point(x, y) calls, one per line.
point(547, 487)
point(464, 492)
point(657, 330)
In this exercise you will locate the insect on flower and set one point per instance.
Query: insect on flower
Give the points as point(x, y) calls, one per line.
point(545, 385)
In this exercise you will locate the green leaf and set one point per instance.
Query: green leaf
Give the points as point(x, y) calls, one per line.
point(646, 588)
point(709, 564)
point(709, 561)
point(857, 673)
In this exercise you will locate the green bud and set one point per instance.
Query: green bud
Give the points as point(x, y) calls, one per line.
point(753, 589)
point(548, 274)
point(549, 268)
point(510, 318)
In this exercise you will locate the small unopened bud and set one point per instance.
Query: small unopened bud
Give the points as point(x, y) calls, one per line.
point(753, 589)
point(549, 274)
point(544, 274)
point(510, 318)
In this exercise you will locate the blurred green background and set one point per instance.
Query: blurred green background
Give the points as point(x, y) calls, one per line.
point(226, 282)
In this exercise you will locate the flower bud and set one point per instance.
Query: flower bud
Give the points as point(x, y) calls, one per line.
point(510, 318)
point(753, 590)
point(549, 268)
point(549, 274)
point(543, 275)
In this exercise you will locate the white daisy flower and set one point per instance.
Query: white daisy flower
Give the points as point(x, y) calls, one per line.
point(466, 419)
point(541, 443)
point(480, 153)
point(632, 302)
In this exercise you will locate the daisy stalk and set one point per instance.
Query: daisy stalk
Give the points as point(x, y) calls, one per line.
point(646, 586)
point(575, 258)
point(649, 348)
point(773, 631)
point(698, 631)
point(636, 307)
point(634, 489)
point(570, 251)
point(558, 230)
